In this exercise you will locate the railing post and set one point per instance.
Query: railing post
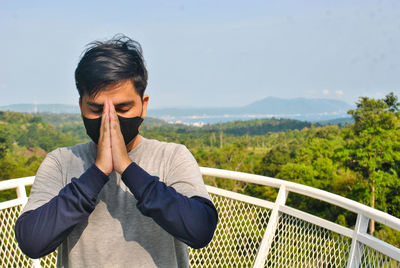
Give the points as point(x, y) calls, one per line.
point(36, 263)
point(21, 193)
point(269, 234)
point(355, 250)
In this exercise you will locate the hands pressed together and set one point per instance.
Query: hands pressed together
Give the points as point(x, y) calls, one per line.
point(111, 150)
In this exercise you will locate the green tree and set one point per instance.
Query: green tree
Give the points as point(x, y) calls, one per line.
point(373, 147)
point(392, 101)
point(4, 141)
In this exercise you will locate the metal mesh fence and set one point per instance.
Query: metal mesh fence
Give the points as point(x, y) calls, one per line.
point(298, 243)
point(237, 238)
point(49, 261)
point(372, 258)
point(10, 255)
point(238, 235)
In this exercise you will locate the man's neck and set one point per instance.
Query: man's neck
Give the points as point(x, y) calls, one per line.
point(133, 143)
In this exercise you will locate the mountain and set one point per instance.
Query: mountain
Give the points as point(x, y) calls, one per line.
point(270, 107)
point(72, 123)
point(75, 118)
point(40, 108)
point(338, 121)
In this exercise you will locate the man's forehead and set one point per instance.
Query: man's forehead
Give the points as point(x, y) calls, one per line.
point(118, 92)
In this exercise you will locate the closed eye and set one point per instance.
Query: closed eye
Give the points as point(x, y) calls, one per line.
point(97, 111)
point(122, 110)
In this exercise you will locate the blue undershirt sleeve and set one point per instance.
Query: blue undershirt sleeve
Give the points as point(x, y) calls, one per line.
point(40, 231)
point(192, 220)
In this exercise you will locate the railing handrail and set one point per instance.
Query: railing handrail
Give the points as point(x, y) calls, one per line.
point(319, 194)
point(358, 234)
point(14, 183)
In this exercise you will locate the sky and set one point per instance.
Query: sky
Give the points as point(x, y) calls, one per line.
point(221, 53)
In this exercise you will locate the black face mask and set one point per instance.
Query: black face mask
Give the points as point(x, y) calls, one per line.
point(129, 127)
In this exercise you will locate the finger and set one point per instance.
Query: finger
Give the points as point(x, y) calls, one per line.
point(110, 109)
point(113, 112)
point(109, 104)
point(108, 120)
point(106, 129)
point(102, 125)
point(114, 119)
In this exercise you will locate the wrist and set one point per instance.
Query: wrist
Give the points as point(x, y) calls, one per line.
point(98, 165)
point(125, 165)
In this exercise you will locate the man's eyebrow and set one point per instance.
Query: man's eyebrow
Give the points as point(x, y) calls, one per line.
point(125, 103)
point(97, 105)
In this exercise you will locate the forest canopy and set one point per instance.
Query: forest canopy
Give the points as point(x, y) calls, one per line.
point(360, 160)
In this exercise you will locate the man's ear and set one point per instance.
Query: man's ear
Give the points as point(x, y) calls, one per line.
point(145, 101)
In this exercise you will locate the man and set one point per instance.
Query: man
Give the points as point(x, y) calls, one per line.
point(120, 200)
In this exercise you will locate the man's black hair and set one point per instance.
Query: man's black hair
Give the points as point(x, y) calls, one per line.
point(110, 62)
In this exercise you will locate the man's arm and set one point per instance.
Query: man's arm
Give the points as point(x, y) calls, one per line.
point(56, 209)
point(191, 220)
point(40, 231)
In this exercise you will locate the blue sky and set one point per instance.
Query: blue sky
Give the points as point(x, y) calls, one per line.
point(207, 53)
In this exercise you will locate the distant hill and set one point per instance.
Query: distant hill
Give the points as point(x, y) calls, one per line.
point(72, 124)
point(63, 118)
point(256, 126)
point(338, 121)
point(237, 128)
point(40, 108)
point(298, 108)
point(270, 107)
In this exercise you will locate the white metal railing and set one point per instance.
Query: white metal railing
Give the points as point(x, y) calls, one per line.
point(252, 232)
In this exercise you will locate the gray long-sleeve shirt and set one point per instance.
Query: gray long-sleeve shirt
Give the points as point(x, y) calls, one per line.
point(116, 233)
